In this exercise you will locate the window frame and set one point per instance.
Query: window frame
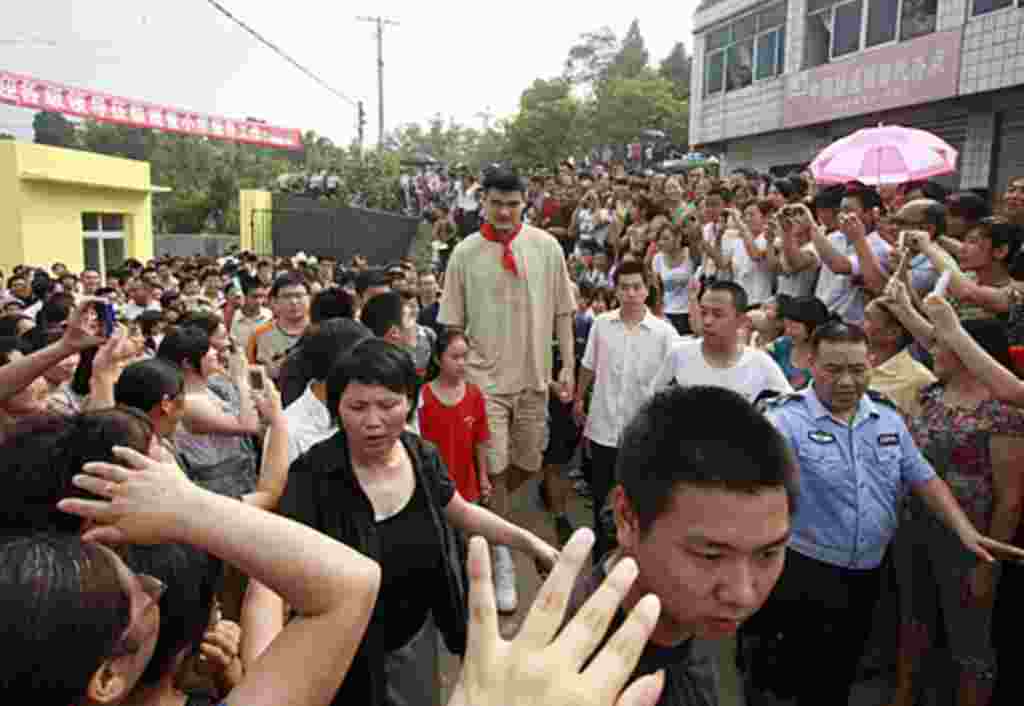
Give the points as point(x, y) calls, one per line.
point(100, 236)
point(779, 66)
point(864, 24)
point(1014, 4)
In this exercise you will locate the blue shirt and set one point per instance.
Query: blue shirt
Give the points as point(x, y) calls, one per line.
point(852, 477)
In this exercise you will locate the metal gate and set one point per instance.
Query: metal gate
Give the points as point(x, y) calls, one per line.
point(321, 227)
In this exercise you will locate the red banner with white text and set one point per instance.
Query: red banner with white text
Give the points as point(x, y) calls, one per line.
point(37, 94)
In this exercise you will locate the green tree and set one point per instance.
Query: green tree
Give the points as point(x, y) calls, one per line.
point(6, 136)
point(622, 107)
point(632, 57)
point(54, 129)
point(676, 67)
point(117, 140)
point(590, 57)
point(548, 125)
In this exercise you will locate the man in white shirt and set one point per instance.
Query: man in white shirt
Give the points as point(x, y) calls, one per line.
point(720, 358)
point(624, 352)
point(309, 420)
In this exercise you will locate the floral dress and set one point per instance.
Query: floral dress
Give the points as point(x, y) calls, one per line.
point(956, 442)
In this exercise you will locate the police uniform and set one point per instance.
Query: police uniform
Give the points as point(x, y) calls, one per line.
point(852, 479)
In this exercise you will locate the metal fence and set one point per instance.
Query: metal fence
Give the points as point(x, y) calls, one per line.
point(322, 227)
point(187, 245)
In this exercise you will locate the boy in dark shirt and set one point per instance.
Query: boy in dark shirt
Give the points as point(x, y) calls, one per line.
point(703, 503)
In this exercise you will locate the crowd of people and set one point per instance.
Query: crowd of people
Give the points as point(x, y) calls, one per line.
point(263, 479)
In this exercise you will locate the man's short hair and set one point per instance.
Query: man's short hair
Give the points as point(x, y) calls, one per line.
point(503, 179)
point(830, 198)
point(383, 312)
point(837, 332)
point(678, 438)
point(251, 284)
point(1002, 233)
point(328, 341)
point(369, 278)
point(331, 303)
point(630, 267)
point(293, 278)
point(929, 189)
point(738, 294)
point(867, 196)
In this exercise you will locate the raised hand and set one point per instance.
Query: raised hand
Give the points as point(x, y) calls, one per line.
point(541, 665)
point(142, 501)
point(941, 313)
point(82, 329)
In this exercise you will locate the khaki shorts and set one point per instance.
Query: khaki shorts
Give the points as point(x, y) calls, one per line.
point(518, 425)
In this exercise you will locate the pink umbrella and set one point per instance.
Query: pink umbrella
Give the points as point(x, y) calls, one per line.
point(887, 154)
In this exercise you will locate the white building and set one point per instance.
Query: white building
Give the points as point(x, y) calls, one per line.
point(775, 81)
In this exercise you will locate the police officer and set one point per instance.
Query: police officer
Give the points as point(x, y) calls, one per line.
point(856, 460)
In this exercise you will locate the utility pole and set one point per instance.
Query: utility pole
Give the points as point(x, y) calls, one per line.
point(362, 125)
point(380, 22)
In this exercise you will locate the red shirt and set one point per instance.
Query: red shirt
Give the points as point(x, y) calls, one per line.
point(456, 430)
point(550, 208)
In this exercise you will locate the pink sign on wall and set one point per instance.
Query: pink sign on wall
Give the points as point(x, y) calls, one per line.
point(919, 71)
point(27, 92)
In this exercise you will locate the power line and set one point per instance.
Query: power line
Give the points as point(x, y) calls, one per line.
point(227, 13)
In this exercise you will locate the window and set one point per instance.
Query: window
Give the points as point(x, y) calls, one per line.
point(714, 69)
point(749, 49)
point(103, 241)
point(846, 28)
point(980, 7)
point(836, 28)
point(918, 18)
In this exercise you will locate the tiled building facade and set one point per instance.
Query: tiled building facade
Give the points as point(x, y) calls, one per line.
point(775, 81)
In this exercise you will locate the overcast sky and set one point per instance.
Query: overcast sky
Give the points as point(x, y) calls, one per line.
point(453, 57)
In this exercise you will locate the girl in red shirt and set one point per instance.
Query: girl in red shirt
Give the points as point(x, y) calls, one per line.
point(453, 416)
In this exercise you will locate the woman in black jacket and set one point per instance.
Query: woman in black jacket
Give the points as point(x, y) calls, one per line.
point(386, 492)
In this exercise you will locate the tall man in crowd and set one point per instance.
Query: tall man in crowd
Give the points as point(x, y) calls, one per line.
point(508, 288)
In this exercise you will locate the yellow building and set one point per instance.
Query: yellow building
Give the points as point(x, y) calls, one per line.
point(79, 208)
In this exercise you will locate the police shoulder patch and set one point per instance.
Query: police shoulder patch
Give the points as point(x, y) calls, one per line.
point(778, 400)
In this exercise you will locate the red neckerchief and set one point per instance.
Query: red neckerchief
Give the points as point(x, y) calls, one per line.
point(508, 259)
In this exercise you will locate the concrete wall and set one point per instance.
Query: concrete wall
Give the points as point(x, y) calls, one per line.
point(10, 207)
point(45, 191)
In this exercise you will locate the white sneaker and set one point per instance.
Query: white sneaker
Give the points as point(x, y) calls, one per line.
point(505, 580)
